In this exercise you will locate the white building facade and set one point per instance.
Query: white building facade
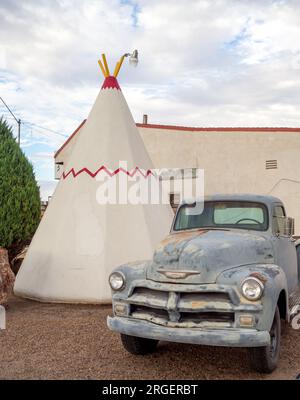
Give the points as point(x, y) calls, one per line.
point(234, 160)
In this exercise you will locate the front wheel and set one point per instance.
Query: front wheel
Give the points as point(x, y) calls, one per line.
point(138, 346)
point(265, 359)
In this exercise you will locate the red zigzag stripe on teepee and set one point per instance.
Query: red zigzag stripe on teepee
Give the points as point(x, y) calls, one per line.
point(103, 168)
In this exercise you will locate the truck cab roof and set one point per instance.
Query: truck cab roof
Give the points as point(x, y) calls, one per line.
point(268, 200)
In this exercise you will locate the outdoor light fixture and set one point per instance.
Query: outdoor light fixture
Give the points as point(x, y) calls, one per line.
point(133, 61)
point(134, 58)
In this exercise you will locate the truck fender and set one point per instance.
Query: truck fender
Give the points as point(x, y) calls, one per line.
point(275, 290)
point(132, 272)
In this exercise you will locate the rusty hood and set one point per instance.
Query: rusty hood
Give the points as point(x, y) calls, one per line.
point(199, 256)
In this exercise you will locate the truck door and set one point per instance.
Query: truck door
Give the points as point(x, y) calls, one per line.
point(284, 245)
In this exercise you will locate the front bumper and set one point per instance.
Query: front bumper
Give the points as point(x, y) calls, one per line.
point(231, 337)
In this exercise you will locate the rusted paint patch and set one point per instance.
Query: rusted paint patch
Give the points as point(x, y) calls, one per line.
point(259, 276)
point(177, 238)
point(197, 304)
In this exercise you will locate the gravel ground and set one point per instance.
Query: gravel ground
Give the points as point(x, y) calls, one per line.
point(57, 341)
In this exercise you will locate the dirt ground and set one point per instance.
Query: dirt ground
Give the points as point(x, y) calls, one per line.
point(55, 341)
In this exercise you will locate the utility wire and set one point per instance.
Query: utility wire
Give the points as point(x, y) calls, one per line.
point(29, 123)
point(9, 110)
point(46, 129)
point(17, 120)
point(6, 116)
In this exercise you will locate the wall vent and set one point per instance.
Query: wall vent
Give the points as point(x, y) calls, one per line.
point(271, 164)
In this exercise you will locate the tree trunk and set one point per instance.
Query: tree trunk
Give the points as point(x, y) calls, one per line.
point(7, 277)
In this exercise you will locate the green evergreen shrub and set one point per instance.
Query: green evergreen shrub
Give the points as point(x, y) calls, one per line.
point(19, 192)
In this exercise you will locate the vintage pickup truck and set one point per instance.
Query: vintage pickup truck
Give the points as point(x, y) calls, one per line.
point(225, 277)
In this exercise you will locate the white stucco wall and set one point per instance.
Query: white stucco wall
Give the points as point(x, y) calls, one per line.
point(234, 161)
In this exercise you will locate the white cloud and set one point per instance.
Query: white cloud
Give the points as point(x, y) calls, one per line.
point(202, 63)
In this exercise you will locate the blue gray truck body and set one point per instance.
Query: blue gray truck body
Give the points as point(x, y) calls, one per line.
point(190, 292)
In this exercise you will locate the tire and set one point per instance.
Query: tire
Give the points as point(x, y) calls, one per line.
point(138, 346)
point(265, 359)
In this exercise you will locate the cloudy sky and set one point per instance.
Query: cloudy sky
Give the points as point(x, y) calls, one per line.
point(202, 63)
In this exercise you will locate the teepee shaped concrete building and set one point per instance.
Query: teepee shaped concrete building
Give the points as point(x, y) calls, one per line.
point(80, 241)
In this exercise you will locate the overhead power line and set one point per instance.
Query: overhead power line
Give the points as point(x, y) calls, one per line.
point(16, 119)
point(46, 129)
point(6, 116)
point(29, 123)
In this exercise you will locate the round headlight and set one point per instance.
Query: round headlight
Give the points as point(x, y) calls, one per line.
point(252, 288)
point(117, 281)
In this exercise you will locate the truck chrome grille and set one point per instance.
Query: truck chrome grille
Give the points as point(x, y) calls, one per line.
point(182, 309)
point(208, 316)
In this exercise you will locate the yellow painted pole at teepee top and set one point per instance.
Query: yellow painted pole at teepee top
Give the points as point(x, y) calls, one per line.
point(105, 64)
point(102, 69)
point(118, 66)
point(116, 69)
point(105, 69)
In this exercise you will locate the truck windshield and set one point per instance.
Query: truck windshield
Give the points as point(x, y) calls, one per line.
point(224, 214)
